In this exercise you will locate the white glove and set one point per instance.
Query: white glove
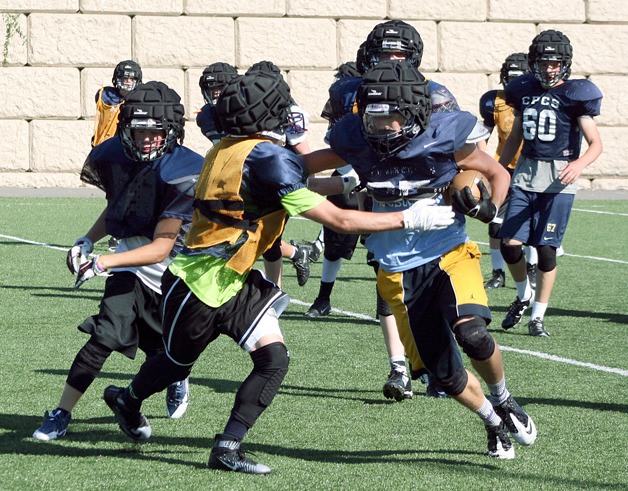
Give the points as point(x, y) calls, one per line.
point(88, 270)
point(79, 254)
point(424, 215)
point(350, 181)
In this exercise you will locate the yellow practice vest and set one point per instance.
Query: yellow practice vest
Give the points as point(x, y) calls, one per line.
point(106, 121)
point(504, 116)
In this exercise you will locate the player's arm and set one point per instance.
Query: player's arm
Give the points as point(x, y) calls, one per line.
point(513, 142)
point(321, 160)
point(572, 171)
point(159, 249)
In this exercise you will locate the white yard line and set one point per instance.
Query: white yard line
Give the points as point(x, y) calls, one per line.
point(359, 316)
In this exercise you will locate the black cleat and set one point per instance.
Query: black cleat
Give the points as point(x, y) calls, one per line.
point(515, 312)
point(132, 423)
point(499, 445)
point(227, 456)
point(319, 308)
point(301, 262)
point(398, 386)
point(519, 424)
point(537, 328)
point(497, 280)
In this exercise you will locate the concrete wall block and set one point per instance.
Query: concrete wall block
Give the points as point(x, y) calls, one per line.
point(335, 9)
point(609, 184)
point(607, 11)
point(309, 89)
point(467, 10)
point(316, 136)
point(467, 88)
point(198, 41)
point(78, 40)
point(236, 8)
point(470, 47)
point(55, 95)
point(307, 43)
point(194, 139)
point(14, 151)
point(16, 49)
point(37, 180)
point(614, 104)
point(612, 162)
point(595, 51)
point(537, 11)
point(40, 5)
point(92, 79)
point(60, 146)
point(133, 7)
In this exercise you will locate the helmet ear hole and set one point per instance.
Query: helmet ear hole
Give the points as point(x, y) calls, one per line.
point(151, 106)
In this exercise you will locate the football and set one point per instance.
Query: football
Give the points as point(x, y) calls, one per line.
point(467, 178)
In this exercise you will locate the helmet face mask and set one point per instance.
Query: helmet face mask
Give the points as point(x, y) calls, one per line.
point(387, 129)
point(145, 138)
point(546, 49)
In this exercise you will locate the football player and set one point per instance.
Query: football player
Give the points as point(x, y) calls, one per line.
point(432, 279)
point(552, 115)
point(398, 41)
point(248, 186)
point(148, 178)
point(497, 114)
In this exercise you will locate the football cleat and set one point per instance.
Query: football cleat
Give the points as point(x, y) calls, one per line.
point(319, 308)
point(398, 386)
point(177, 399)
point(531, 269)
point(537, 328)
point(519, 424)
point(301, 263)
point(226, 455)
point(515, 313)
point(132, 423)
point(497, 280)
point(499, 445)
point(55, 425)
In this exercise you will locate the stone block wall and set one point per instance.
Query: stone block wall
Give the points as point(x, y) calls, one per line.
point(57, 53)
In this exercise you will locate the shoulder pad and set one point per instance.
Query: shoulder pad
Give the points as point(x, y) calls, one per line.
point(582, 90)
point(478, 133)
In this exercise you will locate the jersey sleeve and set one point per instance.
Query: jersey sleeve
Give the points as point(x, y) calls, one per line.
point(442, 99)
point(275, 171)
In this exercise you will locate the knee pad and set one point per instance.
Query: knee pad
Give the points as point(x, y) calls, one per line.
point(382, 306)
point(547, 258)
point(87, 364)
point(274, 253)
point(511, 254)
point(474, 339)
point(493, 230)
point(270, 366)
point(453, 385)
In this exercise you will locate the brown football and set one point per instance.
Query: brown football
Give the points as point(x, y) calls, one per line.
point(468, 178)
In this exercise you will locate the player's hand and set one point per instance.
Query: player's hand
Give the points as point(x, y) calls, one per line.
point(464, 201)
point(88, 270)
point(79, 254)
point(425, 215)
point(350, 181)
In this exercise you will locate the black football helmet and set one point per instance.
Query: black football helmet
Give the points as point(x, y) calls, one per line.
point(394, 36)
point(348, 69)
point(550, 45)
point(127, 69)
point(213, 79)
point(257, 102)
point(264, 66)
point(393, 94)
point(151, 106)
point(515, 64)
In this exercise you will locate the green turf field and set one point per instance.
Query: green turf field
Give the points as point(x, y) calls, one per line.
point(329, 427)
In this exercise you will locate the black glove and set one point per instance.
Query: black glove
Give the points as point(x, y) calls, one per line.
point(464, 201)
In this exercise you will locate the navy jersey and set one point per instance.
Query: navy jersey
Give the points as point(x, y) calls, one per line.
point(206, 122)
point(140, 194)
point(424, 166)
point(549, 116)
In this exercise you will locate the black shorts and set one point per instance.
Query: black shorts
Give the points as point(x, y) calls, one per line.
point(129, 317)
point(191, 325)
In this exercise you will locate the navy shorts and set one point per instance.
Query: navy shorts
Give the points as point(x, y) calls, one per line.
point(537, 219)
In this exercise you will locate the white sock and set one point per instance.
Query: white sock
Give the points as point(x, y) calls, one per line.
point(497, 260)
point(524, 291)
point(531, 255)
point(330, 270)
point(499, 392)
point(488, 414)
point(538, 310)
